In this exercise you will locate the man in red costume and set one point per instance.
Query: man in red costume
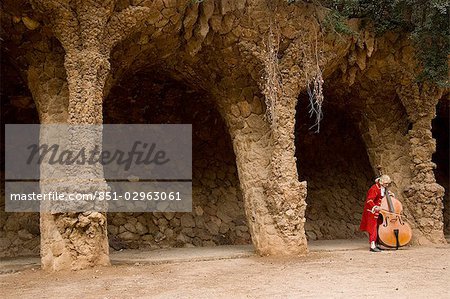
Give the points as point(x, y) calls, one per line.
point(369, 221)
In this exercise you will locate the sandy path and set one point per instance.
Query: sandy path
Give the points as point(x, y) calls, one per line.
point(414, 273)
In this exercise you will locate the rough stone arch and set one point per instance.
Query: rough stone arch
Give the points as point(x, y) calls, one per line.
point(150, 95)
point(335, 163)
point(394, 116)
point(216, 67)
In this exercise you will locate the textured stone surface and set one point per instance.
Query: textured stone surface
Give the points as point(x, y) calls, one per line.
point(73, 56)
point(217, 216)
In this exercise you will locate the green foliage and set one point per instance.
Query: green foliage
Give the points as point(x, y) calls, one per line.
point(426, 20)
point(334, 21)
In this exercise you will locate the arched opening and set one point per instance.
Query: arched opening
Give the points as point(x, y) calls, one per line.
point(19, 232)
point(217, 218)
point(335, 164)
point(440, 130)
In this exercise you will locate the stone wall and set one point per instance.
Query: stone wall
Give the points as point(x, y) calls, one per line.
point(335, 164)
point(217, 219)
point(218, 211)
point(19, 232)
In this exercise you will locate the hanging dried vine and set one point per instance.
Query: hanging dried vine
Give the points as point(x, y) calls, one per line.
point(314, 88)
point(301, 51)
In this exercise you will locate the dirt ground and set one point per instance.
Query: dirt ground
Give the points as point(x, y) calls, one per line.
point(411, 272)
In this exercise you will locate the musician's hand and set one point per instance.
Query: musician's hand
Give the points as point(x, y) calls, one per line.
point(377, 208)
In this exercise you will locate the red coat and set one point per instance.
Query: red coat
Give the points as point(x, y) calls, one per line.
point(369, 216)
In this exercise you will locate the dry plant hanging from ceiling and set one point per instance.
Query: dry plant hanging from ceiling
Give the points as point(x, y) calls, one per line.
point(314, 87)
point(273, 87)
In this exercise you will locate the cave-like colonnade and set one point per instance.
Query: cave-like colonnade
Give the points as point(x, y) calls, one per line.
point(260, 175)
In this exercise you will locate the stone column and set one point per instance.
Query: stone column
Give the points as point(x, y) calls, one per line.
point(383, 128)
point(87, 31)
point(71, 240)
point(274, 199)
point(78, 240)
point(251, 137)
point(286, 196)
point(424, 196)
point(66, 239)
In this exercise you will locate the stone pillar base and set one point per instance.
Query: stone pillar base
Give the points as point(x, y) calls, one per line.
point(425, 203)
point(73, 241)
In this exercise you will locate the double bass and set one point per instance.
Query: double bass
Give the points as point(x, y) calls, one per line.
point(393, 232)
